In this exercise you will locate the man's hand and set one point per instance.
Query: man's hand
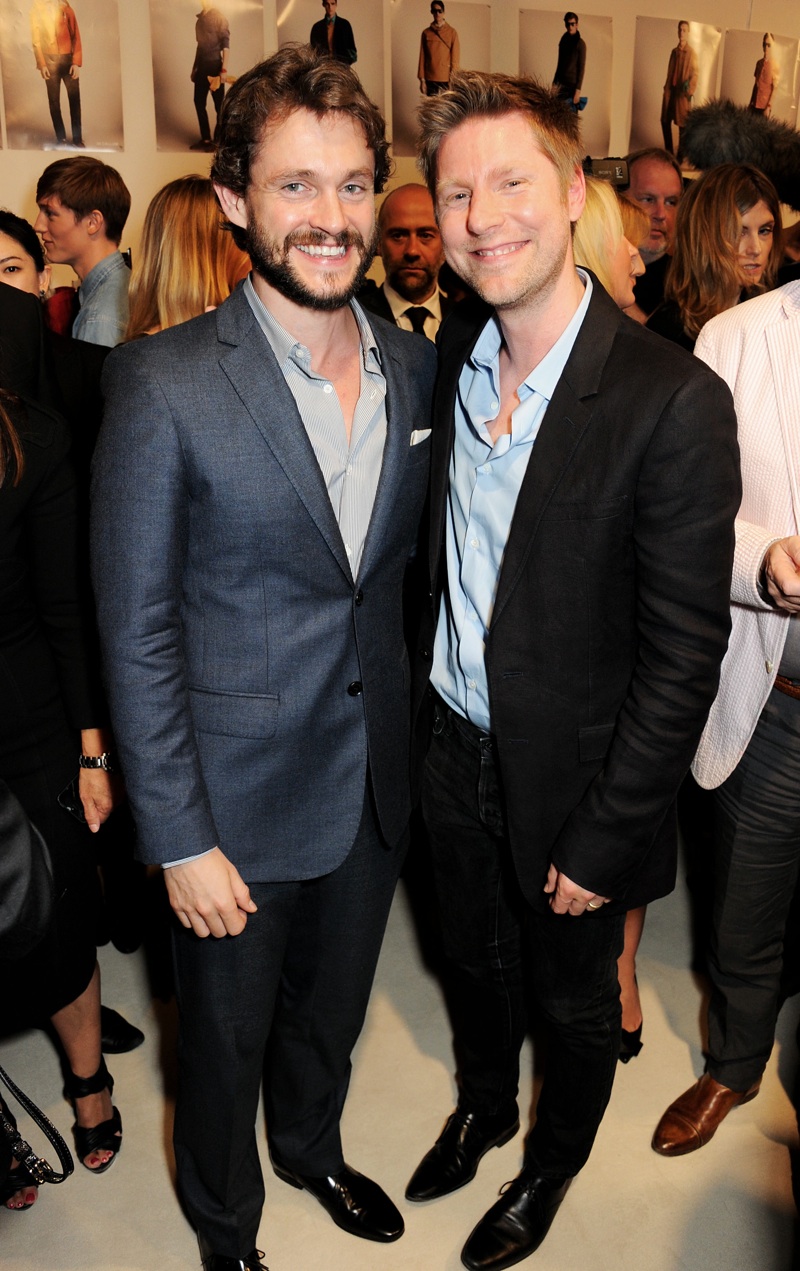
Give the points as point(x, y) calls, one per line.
point(209, 895)
point(567, 897)
point(576, 97)
point(43, 71)
point(422, 87)
point(781, 570)
point(75, 71)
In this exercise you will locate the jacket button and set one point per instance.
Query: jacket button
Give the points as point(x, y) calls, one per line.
point(359, 597)
point(425, 654)
point(355, 688)
point(768, 666)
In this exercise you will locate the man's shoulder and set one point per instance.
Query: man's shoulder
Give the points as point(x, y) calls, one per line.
point(754, 317)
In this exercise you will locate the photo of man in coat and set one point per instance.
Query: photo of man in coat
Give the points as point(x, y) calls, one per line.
point(679, 87)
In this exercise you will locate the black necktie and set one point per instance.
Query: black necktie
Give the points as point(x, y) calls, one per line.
point(416, 315)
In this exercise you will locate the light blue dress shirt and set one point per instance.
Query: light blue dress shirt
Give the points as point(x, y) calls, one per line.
point(485, 481)
point(103, 315)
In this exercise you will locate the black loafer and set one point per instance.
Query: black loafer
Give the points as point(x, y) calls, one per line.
point(454, 1158)
point(117, 1036)
point(224, 1262)
point(219, 1262)
point(354, 1202)
point(516, 1225)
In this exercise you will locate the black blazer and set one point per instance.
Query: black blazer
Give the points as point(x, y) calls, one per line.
point(612, 610)
point(344, 43)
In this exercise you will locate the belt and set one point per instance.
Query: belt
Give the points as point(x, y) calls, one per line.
point(790, 687)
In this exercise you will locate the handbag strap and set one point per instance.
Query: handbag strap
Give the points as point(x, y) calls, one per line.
point(36, 1166)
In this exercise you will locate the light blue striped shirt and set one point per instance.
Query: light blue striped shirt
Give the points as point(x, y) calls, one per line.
point(485, 481)
point(351, 472)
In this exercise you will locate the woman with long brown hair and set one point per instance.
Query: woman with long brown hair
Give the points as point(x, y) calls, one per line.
point(727, 248)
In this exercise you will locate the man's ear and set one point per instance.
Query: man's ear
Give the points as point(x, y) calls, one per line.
point(233, 206)
point(95, 222)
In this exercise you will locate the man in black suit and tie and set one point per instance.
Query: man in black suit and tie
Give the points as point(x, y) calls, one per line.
point(584, 484)
point(258, 487)
point(411, 250)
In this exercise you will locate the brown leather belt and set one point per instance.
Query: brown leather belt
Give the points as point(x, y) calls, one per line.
point(790, 687)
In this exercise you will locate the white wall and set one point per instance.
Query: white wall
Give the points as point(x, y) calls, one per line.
point(145, 170)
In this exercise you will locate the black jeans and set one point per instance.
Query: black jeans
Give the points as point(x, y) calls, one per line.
point(59, 71)
point(500, 948)
point(756, 872)
point(201, 90)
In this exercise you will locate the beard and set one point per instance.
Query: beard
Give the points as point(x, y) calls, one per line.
point(272, 261)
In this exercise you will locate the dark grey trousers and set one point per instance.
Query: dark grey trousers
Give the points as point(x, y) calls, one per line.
point(285, 1000)
point(756, 871)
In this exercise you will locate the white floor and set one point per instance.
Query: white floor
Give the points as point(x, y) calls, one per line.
point(728, 1207)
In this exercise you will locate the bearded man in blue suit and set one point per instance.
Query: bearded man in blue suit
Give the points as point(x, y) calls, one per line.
point(258, 488)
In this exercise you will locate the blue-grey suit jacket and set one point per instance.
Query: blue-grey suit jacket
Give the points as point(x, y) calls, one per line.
point(232, 627)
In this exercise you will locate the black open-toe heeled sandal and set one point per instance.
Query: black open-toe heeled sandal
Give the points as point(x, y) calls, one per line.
point(18, 1179)
point(105, 1137)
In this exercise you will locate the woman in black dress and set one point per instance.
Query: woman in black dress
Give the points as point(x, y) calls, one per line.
point(51, 707)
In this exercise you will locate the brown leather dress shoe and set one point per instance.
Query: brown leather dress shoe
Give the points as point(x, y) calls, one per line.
point(693, 1119)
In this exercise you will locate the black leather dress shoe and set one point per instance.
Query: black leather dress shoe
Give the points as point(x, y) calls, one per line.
point(354, 1202)
point(516, 1225)
point(454, 1158)
point(117, 1036)
point(221, 1262)
point(218, 1262)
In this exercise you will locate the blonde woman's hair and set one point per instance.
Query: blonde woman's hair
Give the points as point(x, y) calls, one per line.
point(635, 221)
point(187, 262)
point(598, 231)
point(704, 278)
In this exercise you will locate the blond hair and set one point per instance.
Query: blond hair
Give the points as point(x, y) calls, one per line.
point(187, 261)
point(635, 221)
point(479, 95)
point(598, 231)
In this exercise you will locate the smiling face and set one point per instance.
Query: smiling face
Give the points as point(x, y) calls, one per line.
point(410, 243)
point(504, 215)
point(310, 210)
point(18, 269)
point(755, 243)
point(656, 187)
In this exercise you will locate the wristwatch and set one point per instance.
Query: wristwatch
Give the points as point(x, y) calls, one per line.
point(106, 761)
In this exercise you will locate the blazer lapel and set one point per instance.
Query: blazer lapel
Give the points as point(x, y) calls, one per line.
point(567, 417)
point(782, 345)
point(253, 372)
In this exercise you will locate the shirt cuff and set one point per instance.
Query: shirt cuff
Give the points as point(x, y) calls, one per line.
point(185, 859)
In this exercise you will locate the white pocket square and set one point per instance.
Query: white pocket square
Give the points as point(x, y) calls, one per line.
point(420, 435)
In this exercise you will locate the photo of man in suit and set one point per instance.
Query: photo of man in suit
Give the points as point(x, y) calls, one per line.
point(410, 247)
point(584, 484)
point(213, 35)
point(333, 35)
point(258, 488)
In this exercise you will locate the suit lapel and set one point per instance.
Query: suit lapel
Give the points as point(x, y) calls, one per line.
point(566, 420)
point(253, 372)
point(399, 426)
point(782, 345)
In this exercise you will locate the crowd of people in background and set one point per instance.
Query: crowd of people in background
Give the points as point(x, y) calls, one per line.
point(186, 561)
